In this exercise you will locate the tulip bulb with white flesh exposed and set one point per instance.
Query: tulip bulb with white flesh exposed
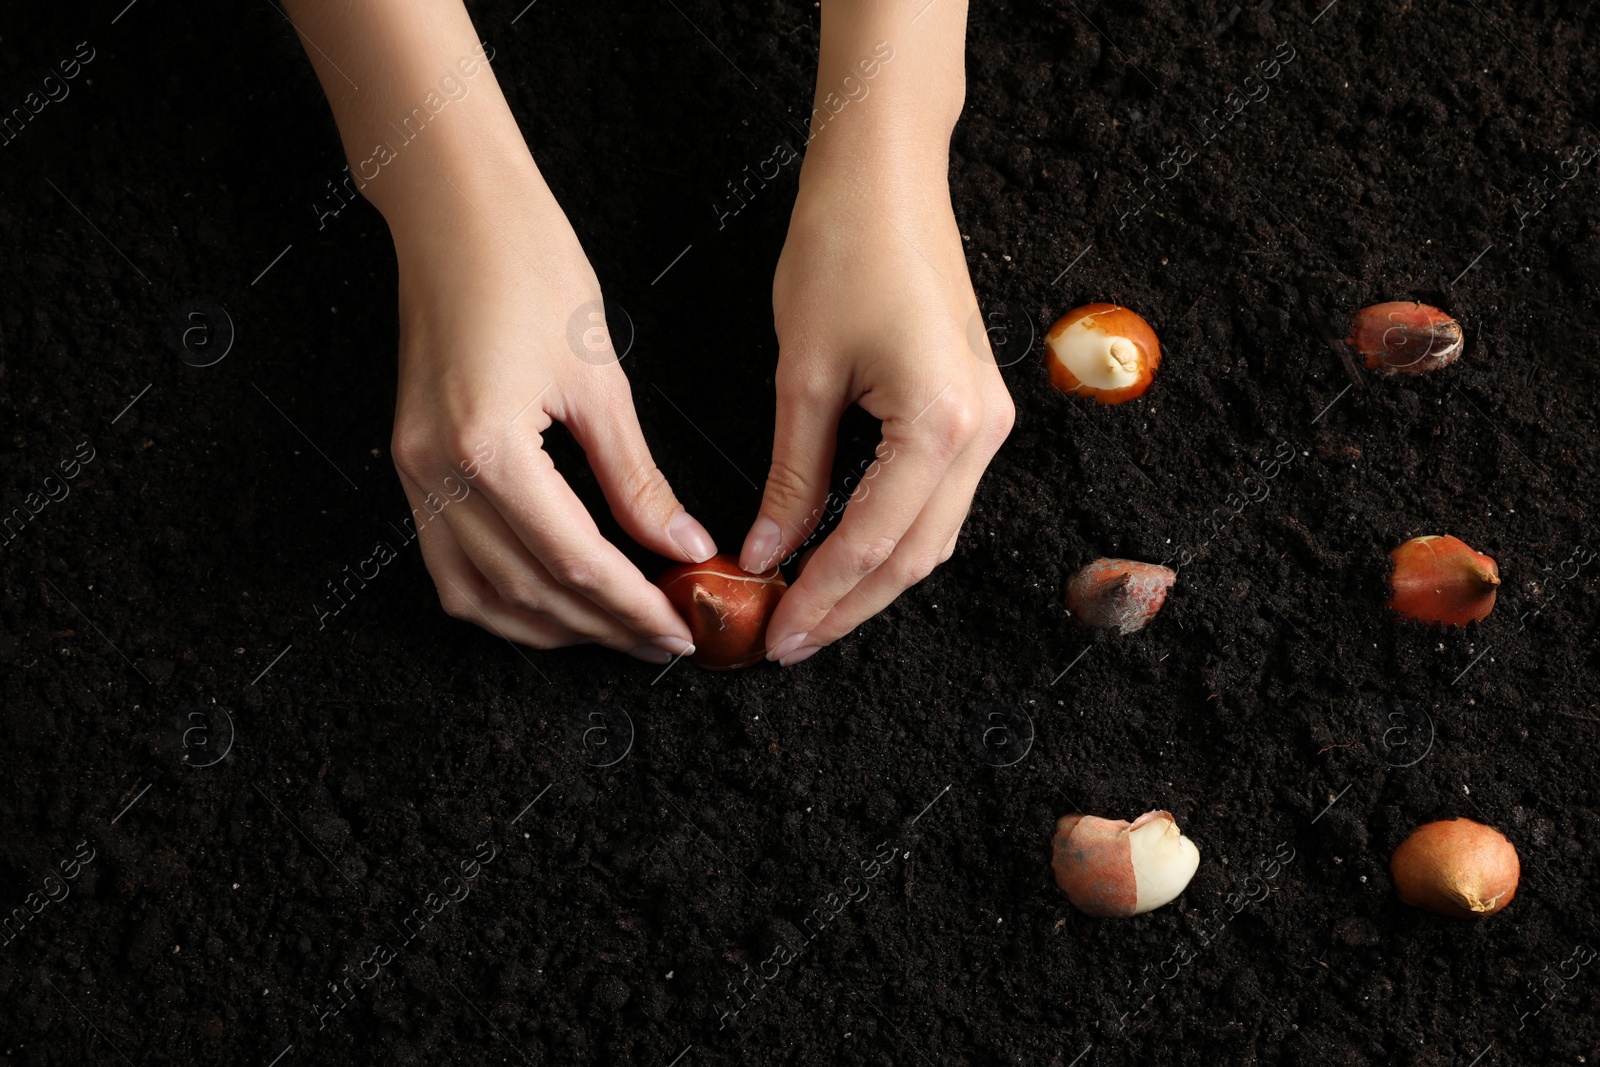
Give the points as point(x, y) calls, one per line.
point(1113, 868)
point(1103, 351)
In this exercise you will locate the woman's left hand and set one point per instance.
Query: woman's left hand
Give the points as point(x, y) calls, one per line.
point(873, 305)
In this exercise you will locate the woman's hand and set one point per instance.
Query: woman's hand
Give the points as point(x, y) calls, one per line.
point(502, 332)
point(873, 305)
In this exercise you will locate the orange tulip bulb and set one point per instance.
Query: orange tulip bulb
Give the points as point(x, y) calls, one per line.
point(1456, 867)
point(1103, 351)
point(1407, 337)
point(726, 608)
point(1439, 580)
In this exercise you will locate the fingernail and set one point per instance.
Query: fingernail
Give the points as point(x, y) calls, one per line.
point(690, 537)
point(760, 546)
point(788, 645)
point(674, 646)
point(799, 657)
point(652, 654)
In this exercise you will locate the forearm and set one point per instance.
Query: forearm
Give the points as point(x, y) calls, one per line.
point(891, 80)
point(417, 105)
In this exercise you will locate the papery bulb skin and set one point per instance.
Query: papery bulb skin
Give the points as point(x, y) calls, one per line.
point(1118, 594)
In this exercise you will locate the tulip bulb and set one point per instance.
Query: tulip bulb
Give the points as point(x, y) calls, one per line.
point(1118, 594)
point(1104, 351)
point(1456, 867)
point(1440, 580)
point(1407, 337)
point(726, 608)
point(1112, 868)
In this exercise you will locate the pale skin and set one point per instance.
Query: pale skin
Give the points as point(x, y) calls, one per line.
point(872, 305)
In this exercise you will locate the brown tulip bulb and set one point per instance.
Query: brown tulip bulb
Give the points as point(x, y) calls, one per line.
point(1112, 868)
point(1456, 867)
point(726, 608)
point(1407, 337)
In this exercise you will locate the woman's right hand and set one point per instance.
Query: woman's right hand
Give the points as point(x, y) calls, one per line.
point(502, 332)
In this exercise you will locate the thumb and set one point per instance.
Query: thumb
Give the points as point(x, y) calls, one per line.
point(641, 500)
point(806, 434)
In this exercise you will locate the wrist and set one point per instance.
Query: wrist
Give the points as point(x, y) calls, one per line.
point(890, 161)
point(410, 175)
point(880, 152)
point(891, 83)
point(454, 195)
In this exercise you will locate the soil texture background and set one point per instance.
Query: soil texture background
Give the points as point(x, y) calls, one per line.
point(846, 862)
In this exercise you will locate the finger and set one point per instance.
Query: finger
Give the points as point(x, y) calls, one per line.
point(607, 428)
point(928, 543)
point(521, 582)
point(484, 610)
point(465, 594)
point(916, 454)
point(546, 515)
point(804, 439)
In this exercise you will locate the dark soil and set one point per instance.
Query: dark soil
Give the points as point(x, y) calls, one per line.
point(838, 835)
